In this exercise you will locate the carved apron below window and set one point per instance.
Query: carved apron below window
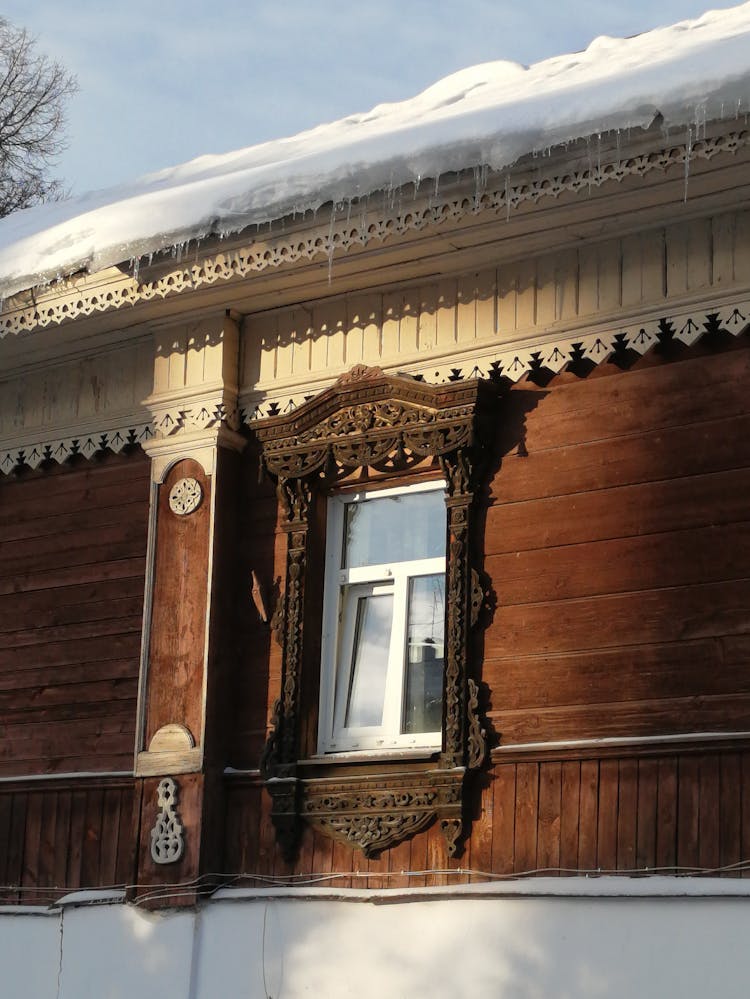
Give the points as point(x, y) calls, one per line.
point(387, 424)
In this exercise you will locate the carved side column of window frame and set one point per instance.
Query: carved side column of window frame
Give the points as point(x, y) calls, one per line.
point(369, 419)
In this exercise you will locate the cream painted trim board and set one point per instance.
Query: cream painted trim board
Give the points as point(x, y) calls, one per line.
point(488, 359)
point(594, 343)
point(50, 447)
point(184, 761)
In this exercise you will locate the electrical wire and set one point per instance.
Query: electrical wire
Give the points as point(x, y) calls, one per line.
point(207, 884)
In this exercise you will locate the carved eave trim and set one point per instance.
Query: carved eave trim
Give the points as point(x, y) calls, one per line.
point(364, 419)
point(33, 451)
point(167, 424)
point(359, 226)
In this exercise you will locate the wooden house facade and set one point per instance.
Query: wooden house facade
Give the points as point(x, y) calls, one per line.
point(561, 358)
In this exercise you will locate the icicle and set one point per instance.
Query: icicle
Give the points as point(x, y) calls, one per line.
point(480, 184)
point(330, 242)
point(136, 269)
point(507, 197)
point(688, 152)
point(437, 185)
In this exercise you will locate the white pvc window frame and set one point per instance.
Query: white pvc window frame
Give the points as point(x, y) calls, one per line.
point(338, 635)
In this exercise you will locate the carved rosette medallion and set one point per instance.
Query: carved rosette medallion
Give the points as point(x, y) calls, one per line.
point(368, 419)
point(185, 496)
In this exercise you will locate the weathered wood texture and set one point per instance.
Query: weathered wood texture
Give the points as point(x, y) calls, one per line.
point(73, 541)
point(643, 813)
point(89, 393)
point(258, 670)
point(178, 616)
point(63, 836)
point(617, 539)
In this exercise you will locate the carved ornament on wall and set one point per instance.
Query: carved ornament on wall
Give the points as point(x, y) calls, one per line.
point(167, 836)
point(185, 496)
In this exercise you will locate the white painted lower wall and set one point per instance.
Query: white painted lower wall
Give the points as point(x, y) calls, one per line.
point(608, 937)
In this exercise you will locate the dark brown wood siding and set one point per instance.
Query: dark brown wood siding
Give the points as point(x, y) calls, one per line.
point(73, 542)
point(617, 539)
point(62, 836)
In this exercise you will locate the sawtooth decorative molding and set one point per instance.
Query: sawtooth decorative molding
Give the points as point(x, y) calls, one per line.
point(359, 226)
point(514, 361)
point(170, 424)
point(59, 449)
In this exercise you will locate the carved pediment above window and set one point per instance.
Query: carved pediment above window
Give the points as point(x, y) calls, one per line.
point(368, 418)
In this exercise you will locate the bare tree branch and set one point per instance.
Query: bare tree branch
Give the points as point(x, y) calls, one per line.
point(34, 91)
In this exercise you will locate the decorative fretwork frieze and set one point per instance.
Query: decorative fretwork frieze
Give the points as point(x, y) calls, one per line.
point(60, 449)
point(372, 420)
point(167, 422)
point(358, 225)
point(513, 362)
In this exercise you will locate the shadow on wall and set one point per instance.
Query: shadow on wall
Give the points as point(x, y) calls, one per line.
point(514, 948)
point(330, 336)
point(523, 948)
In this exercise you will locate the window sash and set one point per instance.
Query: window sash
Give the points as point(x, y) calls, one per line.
point(343, 589)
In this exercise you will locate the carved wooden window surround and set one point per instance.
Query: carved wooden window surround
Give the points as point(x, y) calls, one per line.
point(369, 421)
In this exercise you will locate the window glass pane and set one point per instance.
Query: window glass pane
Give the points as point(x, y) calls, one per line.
point(423, 687)
point(369, 661)
point(394, 529)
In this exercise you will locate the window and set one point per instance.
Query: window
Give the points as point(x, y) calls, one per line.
point(392, 680)
point(383, 620)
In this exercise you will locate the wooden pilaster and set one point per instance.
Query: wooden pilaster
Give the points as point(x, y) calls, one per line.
point(191, 597)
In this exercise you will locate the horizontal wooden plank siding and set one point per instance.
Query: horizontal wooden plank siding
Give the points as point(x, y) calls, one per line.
point(617, 541)
point(63, 836)
point(73, 540)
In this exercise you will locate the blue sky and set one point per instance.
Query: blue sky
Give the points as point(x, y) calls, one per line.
point(165, 81)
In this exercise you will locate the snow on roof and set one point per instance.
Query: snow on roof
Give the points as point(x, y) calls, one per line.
point(489, 115)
